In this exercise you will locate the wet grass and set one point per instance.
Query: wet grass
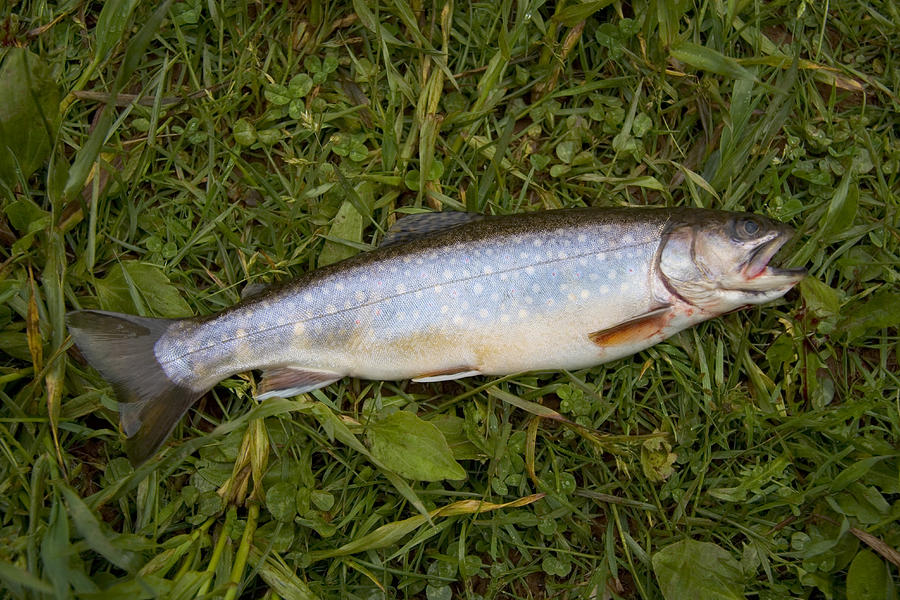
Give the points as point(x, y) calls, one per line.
point(755, 455)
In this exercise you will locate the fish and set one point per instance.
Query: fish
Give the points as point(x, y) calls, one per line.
point(448, 295)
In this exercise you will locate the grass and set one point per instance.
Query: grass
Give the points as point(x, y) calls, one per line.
point(753, 456)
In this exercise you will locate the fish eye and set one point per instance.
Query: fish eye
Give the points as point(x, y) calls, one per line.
point(747, 228)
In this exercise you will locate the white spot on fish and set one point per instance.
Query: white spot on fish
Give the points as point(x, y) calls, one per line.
point(299, 328)
point(529, 300)
point(523, 313)
point(538, 242)
point(437, 289)
point(563, 287)
point(401, 316)
point(346, 305)
point(457, 320)
point(445, 309)
point(448, 274)
point(601, 256)
point(308, 297)
point(419, 261)
point(627, 238)
point(240, 333)
point(523, 255)
point(418, 293)
point(339, 287)
point(478, 288)
point(393, 269)
point(483, 313)
point(464, 305)
point(488, 270)
point(536, 288)
point(585, 293)
point(360, 296)
point(611, 274)
point(624, 286)
point(504, 318)
point(401, 289)
point(604, 289)
point(495, 297)
point(550, 302)
point(529, 270)
point(331, 308)
point(504, 276)
point(582, 238)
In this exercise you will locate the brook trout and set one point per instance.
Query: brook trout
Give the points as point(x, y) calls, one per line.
point(449, 295)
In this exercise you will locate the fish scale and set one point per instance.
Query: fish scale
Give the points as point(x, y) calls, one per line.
point(468, 302)
point(449, 296)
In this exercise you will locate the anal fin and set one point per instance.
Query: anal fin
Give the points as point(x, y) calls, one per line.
point(447, 374)
point(285, 382)
point(633, 330)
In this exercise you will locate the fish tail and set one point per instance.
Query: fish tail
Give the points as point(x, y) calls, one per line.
point(121, 348)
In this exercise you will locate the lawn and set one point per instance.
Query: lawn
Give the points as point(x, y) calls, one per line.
point(158, 158)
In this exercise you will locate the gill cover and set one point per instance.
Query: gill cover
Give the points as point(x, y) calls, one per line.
point(719, 261)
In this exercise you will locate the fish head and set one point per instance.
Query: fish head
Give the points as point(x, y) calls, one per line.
point(719, 261)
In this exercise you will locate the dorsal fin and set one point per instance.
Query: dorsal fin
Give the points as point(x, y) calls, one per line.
point(254, 289)
point(413, 227)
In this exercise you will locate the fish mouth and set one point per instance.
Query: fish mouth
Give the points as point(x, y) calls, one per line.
point(760, 275)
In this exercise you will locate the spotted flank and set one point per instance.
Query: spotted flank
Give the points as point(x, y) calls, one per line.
point(449, 295)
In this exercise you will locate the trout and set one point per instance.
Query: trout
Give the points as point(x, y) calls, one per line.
point(446, 296)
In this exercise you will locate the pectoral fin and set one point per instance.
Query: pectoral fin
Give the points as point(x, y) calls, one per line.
point(633, 330)
point(447, 374)
point(285, 382)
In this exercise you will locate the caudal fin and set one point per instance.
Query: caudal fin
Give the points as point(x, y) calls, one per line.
point(120, 347)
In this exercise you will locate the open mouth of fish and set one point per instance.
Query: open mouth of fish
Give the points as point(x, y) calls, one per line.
point(760, 275)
